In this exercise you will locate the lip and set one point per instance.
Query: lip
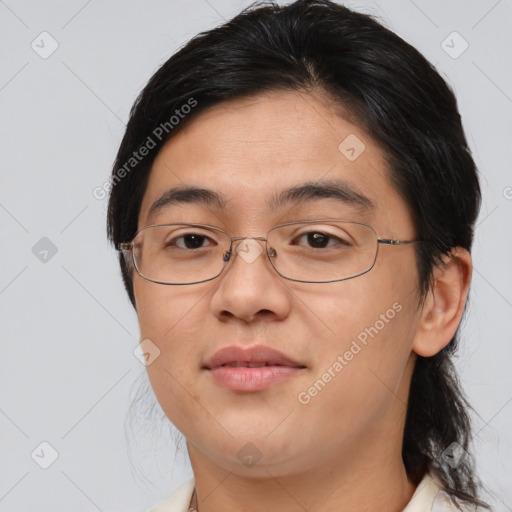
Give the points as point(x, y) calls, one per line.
point(255, 354)
point(245, 379)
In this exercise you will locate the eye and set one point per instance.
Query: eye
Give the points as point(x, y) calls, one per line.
point(188, 241)
point(320, 240)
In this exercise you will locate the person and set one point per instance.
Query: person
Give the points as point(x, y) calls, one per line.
point(294, 204)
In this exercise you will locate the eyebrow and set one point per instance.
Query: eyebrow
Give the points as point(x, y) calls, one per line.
point(333, 189)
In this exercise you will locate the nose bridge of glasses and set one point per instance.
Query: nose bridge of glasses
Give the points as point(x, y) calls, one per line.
point(247, 247)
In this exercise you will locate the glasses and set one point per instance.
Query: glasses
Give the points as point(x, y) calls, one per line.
point(312, 251)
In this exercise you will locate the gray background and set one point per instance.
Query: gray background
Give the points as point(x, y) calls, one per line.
point(67, 329)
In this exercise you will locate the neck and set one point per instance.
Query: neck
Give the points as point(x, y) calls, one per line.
point(355, 484)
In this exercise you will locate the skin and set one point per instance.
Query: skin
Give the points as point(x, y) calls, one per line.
point(342, 450)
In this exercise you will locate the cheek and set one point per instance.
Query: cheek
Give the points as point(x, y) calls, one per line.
point(359, 376)
point(173, 320)
point(163, 311)
point(368, 331)
point(368, 324)
point(340, 312)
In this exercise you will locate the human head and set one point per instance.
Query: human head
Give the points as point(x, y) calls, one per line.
point(380, 84)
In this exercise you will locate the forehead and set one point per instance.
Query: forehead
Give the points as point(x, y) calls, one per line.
point(249, 151)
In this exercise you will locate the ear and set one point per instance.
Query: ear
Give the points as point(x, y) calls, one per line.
point(444, 304)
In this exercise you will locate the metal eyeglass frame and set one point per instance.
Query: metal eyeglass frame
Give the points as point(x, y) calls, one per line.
point(125, 247)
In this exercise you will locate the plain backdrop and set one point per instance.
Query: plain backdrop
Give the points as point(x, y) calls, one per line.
point(70, 71)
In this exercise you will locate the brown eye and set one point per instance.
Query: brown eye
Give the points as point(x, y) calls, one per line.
point(188, 241)
point(319, 240)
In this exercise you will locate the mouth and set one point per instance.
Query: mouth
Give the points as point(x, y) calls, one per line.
point(251, 370)
point(240, 364)
point(253, 357)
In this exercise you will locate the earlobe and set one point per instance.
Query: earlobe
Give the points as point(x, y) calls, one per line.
point(444, 305)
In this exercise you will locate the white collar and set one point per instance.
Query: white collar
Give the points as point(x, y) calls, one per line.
point(428, 497)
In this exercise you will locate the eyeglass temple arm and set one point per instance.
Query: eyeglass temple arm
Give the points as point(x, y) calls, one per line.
point(125, 246)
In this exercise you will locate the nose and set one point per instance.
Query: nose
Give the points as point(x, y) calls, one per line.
point(250, 288)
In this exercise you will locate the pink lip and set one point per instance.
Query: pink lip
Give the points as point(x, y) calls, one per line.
point(279, 367)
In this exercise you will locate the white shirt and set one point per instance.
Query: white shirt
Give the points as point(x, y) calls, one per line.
point(428, 497)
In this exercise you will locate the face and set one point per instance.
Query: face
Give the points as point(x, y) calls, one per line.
point(352, 338)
